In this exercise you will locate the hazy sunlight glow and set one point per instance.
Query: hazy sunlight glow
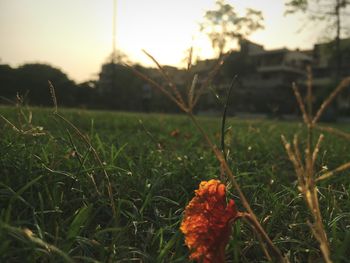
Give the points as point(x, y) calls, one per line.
point(76, 36)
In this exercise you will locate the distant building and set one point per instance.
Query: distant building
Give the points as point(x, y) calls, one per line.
point(265, 78)
point(325, 69)
point(274, 71)
point(325, 61)
point(268, 86)
point(277, 68)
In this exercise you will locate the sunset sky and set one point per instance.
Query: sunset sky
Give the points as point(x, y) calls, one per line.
point(76, 35)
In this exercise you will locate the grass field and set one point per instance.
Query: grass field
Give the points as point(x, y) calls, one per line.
point(56, 194)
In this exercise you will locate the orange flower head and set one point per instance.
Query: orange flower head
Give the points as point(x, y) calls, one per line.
point(207, 222)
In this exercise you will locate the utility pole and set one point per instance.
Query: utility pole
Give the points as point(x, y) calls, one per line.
point(114, 30)
point(113, 78)
point(337, 39)
point(339, 5)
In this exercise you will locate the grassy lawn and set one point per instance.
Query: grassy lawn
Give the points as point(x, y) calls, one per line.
point(115, 190)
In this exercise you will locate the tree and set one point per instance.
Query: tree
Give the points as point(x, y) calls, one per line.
point(333, 12)
point(7, 83)
point(224, 25)
point(32, 79)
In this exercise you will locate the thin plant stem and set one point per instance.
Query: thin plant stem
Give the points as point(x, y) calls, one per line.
point(167, 78)
point(223, 122)
point(317, 149)
point(341, 168)
point(274, 250)
point(210, 77)
point(157, 86)
point(191, 91)
point(88, 143)
point(306, 175)
point(97, 158)
point(343, 84)
point(247, 218)
point(300, 102)
point(334, 131)
point(218, 154)
point(309, 96)
point(189, 59)
point(297, 153)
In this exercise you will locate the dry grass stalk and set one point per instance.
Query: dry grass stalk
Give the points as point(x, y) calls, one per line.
point(306, 185)
point(25, 126)
point(297, 151)
point(168, 79)
point(213, 72)
point(334, 131)
point(317, 149)
point(305, 171)
point(53, 96)
point(341, 168)
point(11, 124)
point(246, 217)
point(87, 142)
point(191, 91)
point(189, 59)
point(28, 235)
point(309, 96)
point(157, 86)
point(187, 108)
point(343, 84)
point(300, 103)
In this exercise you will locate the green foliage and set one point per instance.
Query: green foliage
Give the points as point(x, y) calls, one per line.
point(54, 204)
point(296, 5)
point(32, 79)
point(224, 24)
point(332, 12)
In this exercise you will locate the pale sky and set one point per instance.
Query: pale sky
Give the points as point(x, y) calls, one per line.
point(76, 35)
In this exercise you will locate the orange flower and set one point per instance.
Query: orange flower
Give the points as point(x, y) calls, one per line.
point(207, 222)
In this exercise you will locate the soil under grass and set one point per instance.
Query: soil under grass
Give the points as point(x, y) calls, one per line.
point(55, 205)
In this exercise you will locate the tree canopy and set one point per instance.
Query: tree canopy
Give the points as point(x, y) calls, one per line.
point(224, 25)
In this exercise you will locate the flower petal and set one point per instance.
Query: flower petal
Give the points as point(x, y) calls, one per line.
point(207, 222)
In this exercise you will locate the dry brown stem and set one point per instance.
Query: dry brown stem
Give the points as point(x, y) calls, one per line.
point(305, 171)
point(300, 102)
point(309, 97)
point(189, 59)
point(25, 126)
point(334, 131)
point(341, 168)
point(297, 153)
point(308, 189)
point(191, 91)
point(206, 83)
point(247, 218)
point(343, 84)
point(86, 140)
point(53, 96)
point(157, 86)
point(317, 149)
point(166, 76)
point(218, 154)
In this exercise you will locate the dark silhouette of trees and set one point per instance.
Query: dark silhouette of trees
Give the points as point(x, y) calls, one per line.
point(7, 82)
point(31, 80)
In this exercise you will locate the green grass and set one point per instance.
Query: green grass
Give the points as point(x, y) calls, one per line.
point(53, 186)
